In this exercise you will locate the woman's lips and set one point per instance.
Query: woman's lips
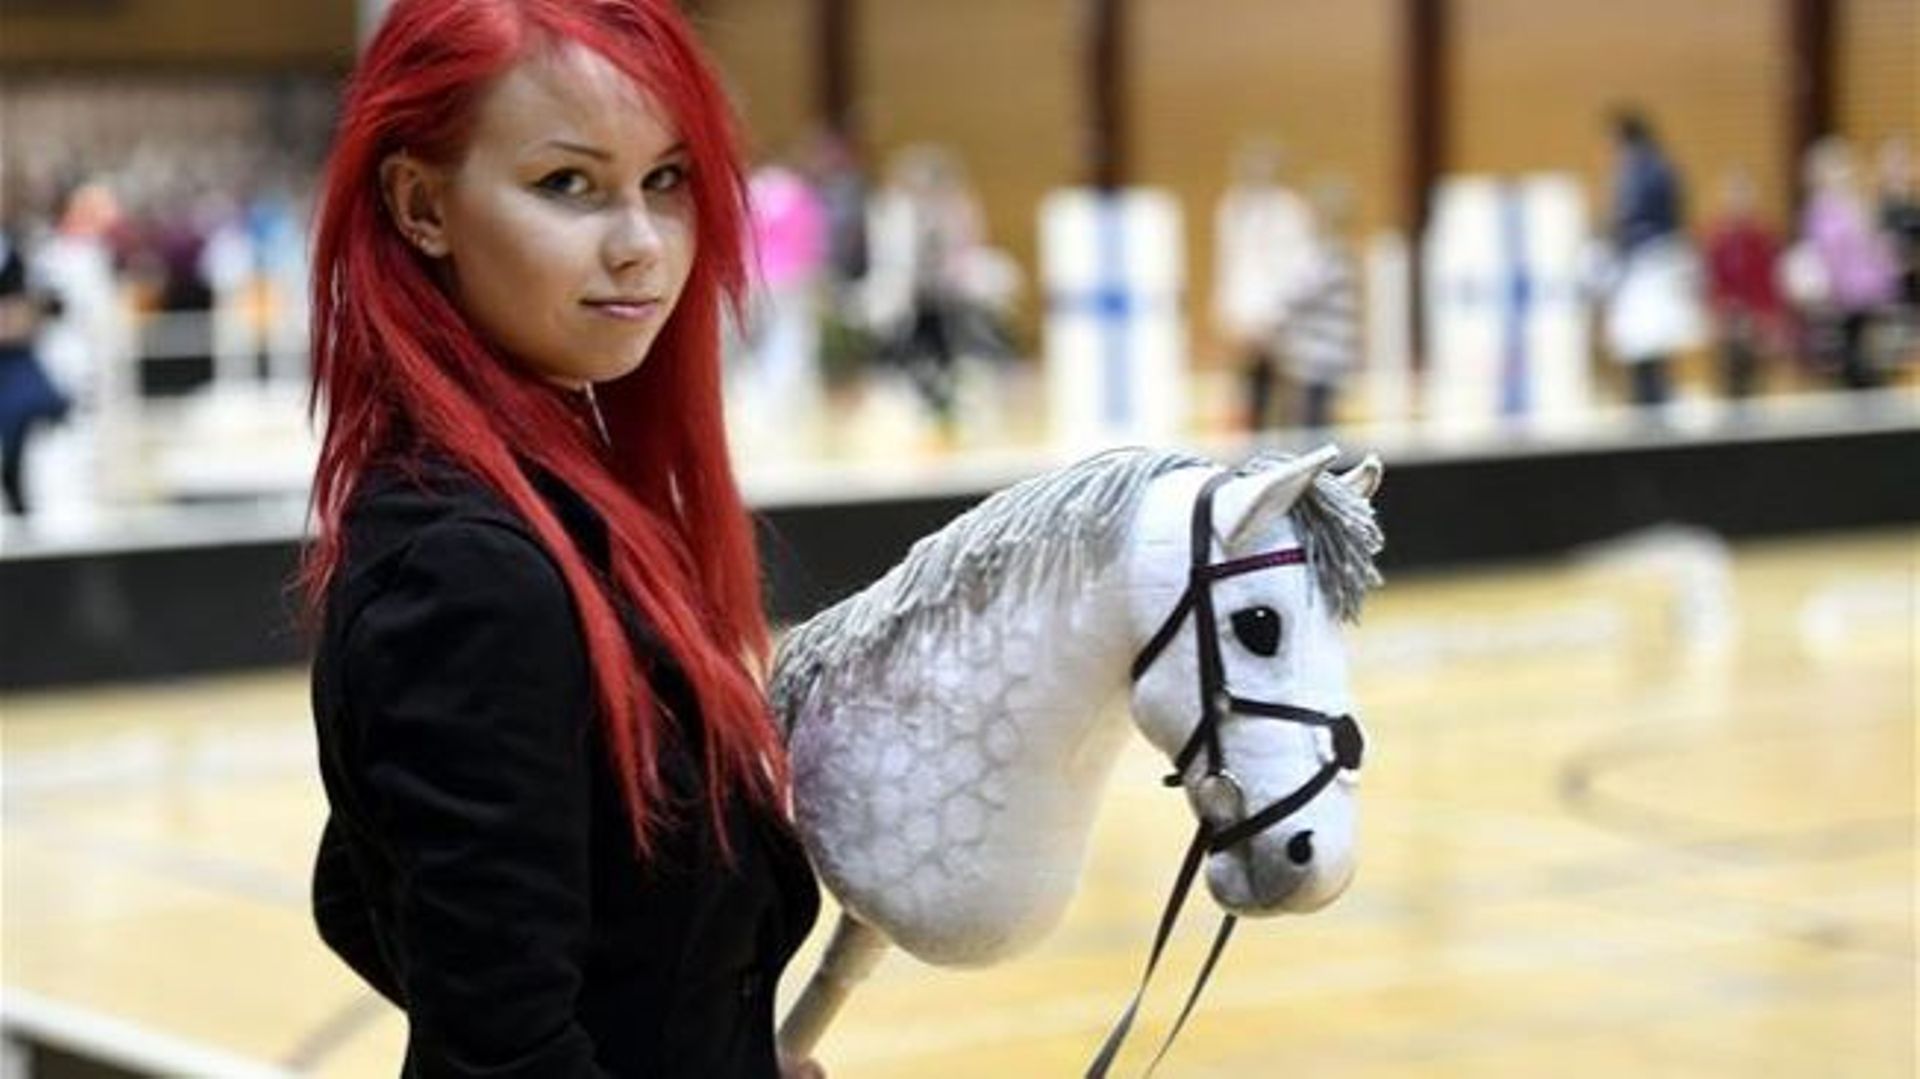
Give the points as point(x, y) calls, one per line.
point(626, 310)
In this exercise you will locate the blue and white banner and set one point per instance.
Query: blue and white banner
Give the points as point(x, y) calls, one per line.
point(1507, 324)
point(1113, 267)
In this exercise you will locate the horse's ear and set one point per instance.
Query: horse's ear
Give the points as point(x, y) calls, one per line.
point(1364, 478)
point(1245, 505)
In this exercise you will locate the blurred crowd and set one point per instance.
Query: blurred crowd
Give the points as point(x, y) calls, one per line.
point(1830, 295)
point(880, 296)
point(887, 297)
point(1838, 291)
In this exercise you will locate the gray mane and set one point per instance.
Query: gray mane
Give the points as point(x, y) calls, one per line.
point(1057, 530)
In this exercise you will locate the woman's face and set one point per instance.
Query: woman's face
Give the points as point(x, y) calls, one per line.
point(567, 230)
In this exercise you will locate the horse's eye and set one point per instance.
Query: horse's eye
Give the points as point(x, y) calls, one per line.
point(1259, 629)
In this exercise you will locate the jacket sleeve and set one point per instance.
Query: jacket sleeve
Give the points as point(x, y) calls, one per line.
point(469, 682)
point(341, 911)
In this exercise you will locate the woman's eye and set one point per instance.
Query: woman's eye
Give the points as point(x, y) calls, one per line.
point(1259, 629)
point(666, 178)
point(569, 182)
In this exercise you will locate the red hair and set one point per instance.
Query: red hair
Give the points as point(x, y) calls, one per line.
point(399, 370)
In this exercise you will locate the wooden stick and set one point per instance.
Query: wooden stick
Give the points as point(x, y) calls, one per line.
point(851, 955)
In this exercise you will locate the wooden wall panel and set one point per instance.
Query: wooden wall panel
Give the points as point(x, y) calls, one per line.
point(765, 48)
point(199, 33)
point(1877, 52)
point(1533, 83)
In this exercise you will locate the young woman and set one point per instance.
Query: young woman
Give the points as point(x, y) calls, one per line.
point(558, 837)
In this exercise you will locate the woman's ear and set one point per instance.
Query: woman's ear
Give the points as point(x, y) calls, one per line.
point(413, 191)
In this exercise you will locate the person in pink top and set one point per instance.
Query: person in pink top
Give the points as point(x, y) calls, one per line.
point(1743, 253)
point(1858, 266)
point(780, 393)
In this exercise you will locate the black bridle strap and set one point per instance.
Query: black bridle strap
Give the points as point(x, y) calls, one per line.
point(1197, 580)
point(1220, 938)
point(1168, 630)
point(1349, 747)
point(1182, 884)
point(1201, 572)
point(1275, 813)
point(1215, 704)
point(1213, 670)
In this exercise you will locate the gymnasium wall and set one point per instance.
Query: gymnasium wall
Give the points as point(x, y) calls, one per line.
point(1877, 90)
point(1534, 83)
point(204, 34)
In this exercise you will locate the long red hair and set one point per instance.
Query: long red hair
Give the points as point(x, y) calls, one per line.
point(398, 370)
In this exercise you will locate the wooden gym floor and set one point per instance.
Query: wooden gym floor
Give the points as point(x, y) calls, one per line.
point(1643, 813)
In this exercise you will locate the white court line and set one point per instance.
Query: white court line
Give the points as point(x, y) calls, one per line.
point(30, 1018)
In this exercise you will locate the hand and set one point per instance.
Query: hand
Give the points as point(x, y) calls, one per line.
point(801, 1069)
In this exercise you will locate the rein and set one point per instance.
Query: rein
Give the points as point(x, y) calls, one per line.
point(1218, 790)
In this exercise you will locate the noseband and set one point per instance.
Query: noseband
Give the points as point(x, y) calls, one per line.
point(1217, 788)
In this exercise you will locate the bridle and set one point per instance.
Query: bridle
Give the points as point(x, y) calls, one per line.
point(1218, 791)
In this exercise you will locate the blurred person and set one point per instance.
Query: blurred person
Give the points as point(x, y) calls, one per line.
point(1263, 245)
point(1652, 312)
point(1856, 262)
point(778, 378)
point(1900, 221)
point(180, 236)
point(1320, 319)
point(1742, 256)
point(558, 836)
point(832, 166)
point(28, 397)
point(926, 228)
point(85, 348)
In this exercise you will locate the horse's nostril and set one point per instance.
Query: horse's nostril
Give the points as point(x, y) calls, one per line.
point(1300, 848)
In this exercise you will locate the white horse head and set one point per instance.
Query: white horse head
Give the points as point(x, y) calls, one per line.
point(949, 726)
point(1258, 719)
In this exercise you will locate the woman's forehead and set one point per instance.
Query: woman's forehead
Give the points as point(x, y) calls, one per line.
point(575, 95)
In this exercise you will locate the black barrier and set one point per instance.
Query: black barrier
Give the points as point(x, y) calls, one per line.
point(130, 615)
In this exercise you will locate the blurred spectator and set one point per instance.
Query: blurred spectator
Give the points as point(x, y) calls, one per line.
point(76, 263)
point(1900, 220)
point(781, 380)
point(1320, 323)
point(1856, 262)
point(1263, 251)
point(833, 168)
point(837, 179)
point(177, 240)
point(925, 245)
point(27, 396)
point(1743, 255)
point(1653, 313)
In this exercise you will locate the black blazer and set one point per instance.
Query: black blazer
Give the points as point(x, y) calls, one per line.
point(477, 867)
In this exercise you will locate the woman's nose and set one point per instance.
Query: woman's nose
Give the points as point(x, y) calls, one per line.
point(632, 238)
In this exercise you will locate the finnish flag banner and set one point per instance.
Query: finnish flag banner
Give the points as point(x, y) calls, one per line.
point(1113, 267)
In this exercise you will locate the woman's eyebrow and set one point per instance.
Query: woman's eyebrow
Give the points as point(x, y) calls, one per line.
point(579, 148)
point(599, 154)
